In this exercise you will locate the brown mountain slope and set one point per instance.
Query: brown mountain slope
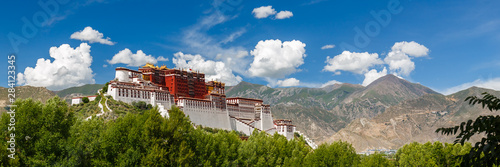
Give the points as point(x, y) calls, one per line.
point(308, 108)
point(376, 97)
point(412, 120)
point(23, 92)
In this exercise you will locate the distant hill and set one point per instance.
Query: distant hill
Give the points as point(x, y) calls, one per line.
point(413, 120)
point(89, 89)
point(23, 92)
point(85, 90)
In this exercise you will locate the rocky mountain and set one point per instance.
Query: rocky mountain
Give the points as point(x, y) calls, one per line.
point(413, 120)
point(320, 112)
point(308, 108)
point(23, 92)
point(379, 95)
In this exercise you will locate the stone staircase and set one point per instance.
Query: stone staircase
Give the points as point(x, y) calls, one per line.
point(309, 141)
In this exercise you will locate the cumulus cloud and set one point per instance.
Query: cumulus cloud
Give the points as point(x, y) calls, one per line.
point(353, 62)
point(214, 70)
point(401, 55)
point(373, 75)
point(92, 36)
point(493, 83)
point(284, 14)
point(71, 67)
point(332, 82)
point(263, 12)
point(411, 48)
point(126, 56)
point(274, 59)
point(288, 82)
point(327, 47)
point(161, 58)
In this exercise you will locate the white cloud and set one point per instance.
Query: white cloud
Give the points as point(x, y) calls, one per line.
point(91, 35)
point(284, 14)
point(353, 62)
point(399, 63)
point(411, 48)
point(373, 75)
point(214, 70)
point(327, 47)
point(332, 82)
point(126, 56)
point(288, 82)
point(493, 83)
point(263, 12)
point(399, 59)
point(71, 67)
point(274, 59)
point(161, 58)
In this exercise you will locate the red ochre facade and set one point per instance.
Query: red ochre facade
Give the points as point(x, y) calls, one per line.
point(182, 82)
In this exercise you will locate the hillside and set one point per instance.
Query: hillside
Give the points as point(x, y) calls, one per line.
point(89, 89)
point(379, 95)
point(412, 120)
point(85, 90)
point(308, 108)
point(320, 112)
point(23, 92)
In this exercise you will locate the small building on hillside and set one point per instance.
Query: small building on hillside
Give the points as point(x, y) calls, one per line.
point(285, 127)
point(78, 100)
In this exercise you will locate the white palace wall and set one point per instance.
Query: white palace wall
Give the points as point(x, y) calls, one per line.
point(129, 95)
point(204, 112)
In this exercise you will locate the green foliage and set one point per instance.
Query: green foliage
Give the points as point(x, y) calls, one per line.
point(431, 154)
point(263, 150)
point(84, 110)
point(487, 151)
point(104, 89)
point(141, 105)
point(85, 100)
point(375, 160)
point(338, 153)
point(40, 131)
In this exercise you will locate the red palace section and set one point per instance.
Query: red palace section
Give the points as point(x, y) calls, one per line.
point(181, 83)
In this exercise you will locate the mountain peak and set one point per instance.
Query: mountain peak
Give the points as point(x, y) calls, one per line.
point(389, 78)
point(391, 90)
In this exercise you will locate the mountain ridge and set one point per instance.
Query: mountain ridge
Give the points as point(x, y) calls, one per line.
point(413, 120)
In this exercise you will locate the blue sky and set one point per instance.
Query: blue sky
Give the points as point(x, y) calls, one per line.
point(445, 45)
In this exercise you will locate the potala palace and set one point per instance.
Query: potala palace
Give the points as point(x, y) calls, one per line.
point(205, 103)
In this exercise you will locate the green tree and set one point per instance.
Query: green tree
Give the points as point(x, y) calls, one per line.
point(375, 160)
point(486, 152)
point(105, 88)
point(416, 154)
point(40, 131)
point(338, 153)
point(85, 100)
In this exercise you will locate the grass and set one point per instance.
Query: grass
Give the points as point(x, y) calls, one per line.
point(103, 103)
point(84, 110)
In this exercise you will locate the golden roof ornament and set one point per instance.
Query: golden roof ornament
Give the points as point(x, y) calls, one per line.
point(148, 65)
